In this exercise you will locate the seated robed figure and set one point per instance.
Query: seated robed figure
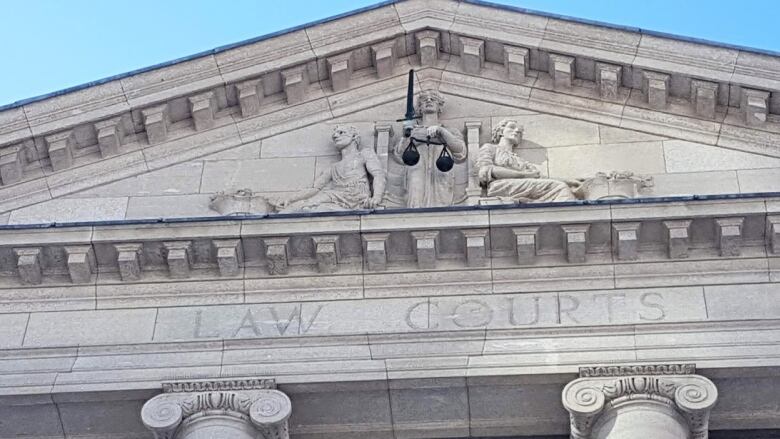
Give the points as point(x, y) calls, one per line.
point(345, 185)
point(507, 176)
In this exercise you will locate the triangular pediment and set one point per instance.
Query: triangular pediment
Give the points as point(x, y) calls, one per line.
point(698, 118)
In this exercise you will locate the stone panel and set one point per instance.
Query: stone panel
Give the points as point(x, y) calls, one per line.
point(682, 156)
point(759, 180)
point(548, 131)
point(180, 293)
point(169, 206)
point(30, 420)
point(12, 327)
point(743, 302)
point(174, 180)
point(311, 141)
point(610, 134)
point(586, 160)
point(71, 210)
point(71, 328)
point(246, 151)
point(260, 175)
point(430, 408)
point(695, 183)
point(632, 306)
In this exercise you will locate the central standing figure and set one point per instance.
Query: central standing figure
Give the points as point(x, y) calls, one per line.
point(426, 186)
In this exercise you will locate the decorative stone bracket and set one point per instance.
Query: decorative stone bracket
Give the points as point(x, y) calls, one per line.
point(218, 410)
point(653, 405)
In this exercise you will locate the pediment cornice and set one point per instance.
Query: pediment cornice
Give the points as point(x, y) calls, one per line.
point(126, 126)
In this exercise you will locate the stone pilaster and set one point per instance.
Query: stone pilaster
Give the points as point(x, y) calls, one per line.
point(240, 409)
point(648, 401)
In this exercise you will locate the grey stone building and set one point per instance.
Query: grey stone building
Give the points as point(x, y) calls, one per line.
point(239, 245)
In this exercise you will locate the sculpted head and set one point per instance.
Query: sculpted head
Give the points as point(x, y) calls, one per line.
point(344, 135)
point(509, 129)
point(428, 102)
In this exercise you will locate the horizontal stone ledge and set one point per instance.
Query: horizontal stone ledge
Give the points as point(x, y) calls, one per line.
point(725, 351)
point(556, 240)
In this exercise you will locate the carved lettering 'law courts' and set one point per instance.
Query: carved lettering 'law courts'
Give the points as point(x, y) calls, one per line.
point(434, 314)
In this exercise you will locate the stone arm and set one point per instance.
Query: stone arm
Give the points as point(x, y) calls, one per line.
point(319, 183)
point(488, 171)
point(455, 144)
point(374, 167)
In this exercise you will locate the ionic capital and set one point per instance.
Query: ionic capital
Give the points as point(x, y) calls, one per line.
point(227, 409)
point(655, 404)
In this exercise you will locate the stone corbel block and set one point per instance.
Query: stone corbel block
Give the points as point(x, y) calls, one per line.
point(773, 235)
point(110, 136)
point(575, 237)
point(250, 97)
point(276, 255)
point(729, 232)
point(230, 256)
point(383, 56)
point(295, 81)
point(179, 258)
point(428, 46)
point(608, 80)
point(156, 123)
point(326, 249)
point(561, 70)
point(81, 263)
point(472, 57)
point(656, 88)
point(11, 164)
point(28, 265)
point(60, 147)
point(678, 238)
point(477, 245)
point(755, 105)
point(625, 238)
point(376, 250)
point(473, 190)
point(340, 71)
point(425, 248)
point(704, 96)
point(525, 238)
point(129, 260)
point(203, 107)
point(516, 61)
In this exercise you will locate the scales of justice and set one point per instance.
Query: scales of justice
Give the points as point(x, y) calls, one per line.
point(422, 160)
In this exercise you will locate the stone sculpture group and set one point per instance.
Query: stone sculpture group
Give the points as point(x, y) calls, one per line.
point(359, 179)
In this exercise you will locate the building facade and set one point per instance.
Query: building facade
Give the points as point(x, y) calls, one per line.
point(238, 245)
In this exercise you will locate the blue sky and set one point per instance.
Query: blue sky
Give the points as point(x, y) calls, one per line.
point(49, 45)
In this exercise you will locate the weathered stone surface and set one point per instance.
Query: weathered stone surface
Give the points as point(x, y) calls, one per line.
point(71, 210)
point(12, 328)
point(175, 180)
point(261, 175)
point(759, 180)
point(640, 157)
point(90, 327)
point(759, 301)
point(681, 156)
